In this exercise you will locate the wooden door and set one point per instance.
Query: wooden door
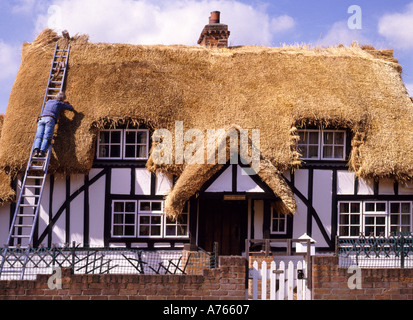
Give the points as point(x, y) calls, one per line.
point(224, 222)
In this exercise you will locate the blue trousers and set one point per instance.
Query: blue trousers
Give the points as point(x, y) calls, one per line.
point(44, 133)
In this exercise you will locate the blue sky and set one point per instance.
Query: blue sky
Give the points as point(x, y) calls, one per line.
point(381, 23)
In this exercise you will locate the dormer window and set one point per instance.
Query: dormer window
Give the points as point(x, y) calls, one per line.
point(318, 144)
point(123, 144)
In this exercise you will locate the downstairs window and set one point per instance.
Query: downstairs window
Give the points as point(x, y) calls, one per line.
point(377, 218)
point(146, 219)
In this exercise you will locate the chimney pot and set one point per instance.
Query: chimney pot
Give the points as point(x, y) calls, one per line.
point(214, 18)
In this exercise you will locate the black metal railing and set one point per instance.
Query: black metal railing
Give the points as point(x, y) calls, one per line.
point(394, 251)
point(26, 263)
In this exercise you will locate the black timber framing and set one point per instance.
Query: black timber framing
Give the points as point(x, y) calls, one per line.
point(67, 210)
point(311, 212)
point(65, 207)
point(51, 191)
point(86, 212)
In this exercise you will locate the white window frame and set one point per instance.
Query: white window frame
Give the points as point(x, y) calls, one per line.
point(138, 213)
point(349, 225)
point(375, 225)
point(109, 143)
point(150, 213)
point(307, 145)
point(125, 131)
point(122, 145)
point(279, 217)
point(177, 225)
point(399, 225)
point(375, 212)
point(150, 210)
point(150, 225)
point(123, 223)
point(321, 144)
point(386, 214)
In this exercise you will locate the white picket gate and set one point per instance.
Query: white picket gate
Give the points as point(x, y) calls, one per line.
point(284, 282)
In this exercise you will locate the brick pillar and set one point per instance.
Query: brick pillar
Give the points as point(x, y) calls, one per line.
point(233, 281)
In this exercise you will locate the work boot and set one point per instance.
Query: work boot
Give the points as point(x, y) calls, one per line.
point(42, 154)
point(36, 152)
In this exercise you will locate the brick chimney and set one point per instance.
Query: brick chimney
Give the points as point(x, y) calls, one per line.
point(214, 33)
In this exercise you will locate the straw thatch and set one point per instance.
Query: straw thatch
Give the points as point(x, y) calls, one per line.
point(271, 89)
point(6, 192)
point(194, 176)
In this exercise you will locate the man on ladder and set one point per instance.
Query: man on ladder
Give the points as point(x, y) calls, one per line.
point(47, 121)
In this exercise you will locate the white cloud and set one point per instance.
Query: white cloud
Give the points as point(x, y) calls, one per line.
point(397, 28)
point(161, 21)
point(340, 33)
point(9, 61)
point(282, 23)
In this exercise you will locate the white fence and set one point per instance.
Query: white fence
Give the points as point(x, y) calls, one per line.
point(287, 281)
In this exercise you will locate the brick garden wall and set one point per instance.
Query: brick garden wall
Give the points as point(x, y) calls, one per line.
point(227, 282)
point(331, 282)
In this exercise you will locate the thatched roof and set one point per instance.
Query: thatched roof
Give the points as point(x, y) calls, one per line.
point(271, 89)
point(6, 192)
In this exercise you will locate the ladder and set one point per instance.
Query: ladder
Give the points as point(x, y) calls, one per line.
point(27, 209)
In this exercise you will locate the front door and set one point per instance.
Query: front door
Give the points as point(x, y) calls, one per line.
point(224, 222)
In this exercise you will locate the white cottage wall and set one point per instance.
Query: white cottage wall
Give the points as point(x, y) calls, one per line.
point(142, 181)
point(96, 209)
point(345, 182)
point(322, 202)
point(300, 215)
point(4, 223)
point(120, 182)
point(163, 184)
point(59, 197)
point(77, 210)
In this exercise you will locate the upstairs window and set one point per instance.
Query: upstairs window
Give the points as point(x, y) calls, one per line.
point(110, 144)
point(136, 144)
point(127, 144)
point(317, 144)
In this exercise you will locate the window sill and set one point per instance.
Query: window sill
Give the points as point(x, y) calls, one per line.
point(323, 163)
point(119, 163)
